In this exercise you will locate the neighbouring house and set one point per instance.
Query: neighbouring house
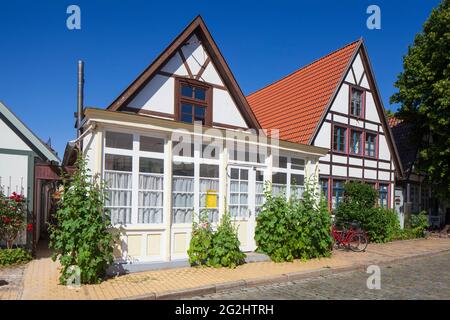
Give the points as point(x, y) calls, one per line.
point(334, 103)
point(180, 140)
point(414, 193)
point(23, 157)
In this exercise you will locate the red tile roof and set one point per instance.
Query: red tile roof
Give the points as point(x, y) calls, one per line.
point(295, 103)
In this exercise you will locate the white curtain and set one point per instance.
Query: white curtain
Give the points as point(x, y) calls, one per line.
point(259, 196)
point(150, 198)
point(238, 203)
point(297, 191)
point(119, 194)
point(183, 199)
point(278, 189)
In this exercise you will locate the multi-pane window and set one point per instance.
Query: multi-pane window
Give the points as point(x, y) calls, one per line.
point(383, 196)
point(371, 141)
point(238, 203)
point(193, 103)
point(118, 177)
point(297, 185)
point(355, 142)
point(356, 102)
point(209, 191)
point(182, 192)
point(338, 193)
point(339, 139)
point(259, 191)
point(324, 188)
point(279, 182)
point(151, 186)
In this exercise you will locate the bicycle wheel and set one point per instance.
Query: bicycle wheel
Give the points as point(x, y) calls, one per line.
point(358, 242)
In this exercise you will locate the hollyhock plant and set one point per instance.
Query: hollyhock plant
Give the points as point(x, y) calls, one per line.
point(12, 217)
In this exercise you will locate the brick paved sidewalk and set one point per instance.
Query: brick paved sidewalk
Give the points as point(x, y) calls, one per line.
point(41, 275)
point(11, 282)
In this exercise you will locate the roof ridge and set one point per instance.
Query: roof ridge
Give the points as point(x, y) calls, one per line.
point(305, 66)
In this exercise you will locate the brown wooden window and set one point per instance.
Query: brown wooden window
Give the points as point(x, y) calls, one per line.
point(193, 102)
point(356, 102)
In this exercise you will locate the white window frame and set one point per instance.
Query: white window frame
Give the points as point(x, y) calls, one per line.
point(289, 171)
point(196, 159)
point(135, 153)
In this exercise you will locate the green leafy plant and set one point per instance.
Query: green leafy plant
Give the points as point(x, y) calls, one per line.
point(225, 251)
point(81, 235)
point(13, 211)
point(419, 225)
point(201, 241)
point(380, 224)
point(295, 228)
point(14, 256)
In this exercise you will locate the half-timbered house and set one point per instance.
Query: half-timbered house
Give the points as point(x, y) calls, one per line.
point(334, 103)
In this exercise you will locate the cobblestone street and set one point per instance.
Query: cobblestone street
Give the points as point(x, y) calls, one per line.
point(422, 278)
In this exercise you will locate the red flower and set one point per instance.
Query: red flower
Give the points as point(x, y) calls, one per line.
point(29, 227)
point(6, 220)
point(16, 197)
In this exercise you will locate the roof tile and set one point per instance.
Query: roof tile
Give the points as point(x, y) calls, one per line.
point(295, 103)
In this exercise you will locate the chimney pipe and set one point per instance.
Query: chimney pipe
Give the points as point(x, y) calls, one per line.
point(80, 96)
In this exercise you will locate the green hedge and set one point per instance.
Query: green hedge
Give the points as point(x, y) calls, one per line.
point(14, 256)
point(294, 229)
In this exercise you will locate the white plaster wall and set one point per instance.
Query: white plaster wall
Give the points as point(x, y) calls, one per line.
point(324, 168)
point(371, 110)
point(13, 173)
point(340, 119)
point(384, 149)
point(370, 163)
point(339, 171)
point(9, 139)
point(225, 110)
point(355, 161)
point(323, 136)
point(340, 104)
point(357, 123)
point(211, 75)
point(382, 175)
point(358, 67)
point(176, 66)
point(365, 82)
point(195, 54)
point(355, 172)
point(349, 77)
point(370, 174)
point(89, 151)
point(157, 95)
point(383, 165)
point(339, 159)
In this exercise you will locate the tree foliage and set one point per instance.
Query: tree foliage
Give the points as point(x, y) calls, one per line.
point(424, 95)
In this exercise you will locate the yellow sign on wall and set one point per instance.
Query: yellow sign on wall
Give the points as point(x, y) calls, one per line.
point(211, 199)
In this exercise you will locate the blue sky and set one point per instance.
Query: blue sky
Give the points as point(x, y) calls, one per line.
point(261, 41)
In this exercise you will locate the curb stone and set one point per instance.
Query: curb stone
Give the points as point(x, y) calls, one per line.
point(268, 280)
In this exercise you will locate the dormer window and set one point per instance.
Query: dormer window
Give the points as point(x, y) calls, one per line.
point(356, 102)
point(193, 102)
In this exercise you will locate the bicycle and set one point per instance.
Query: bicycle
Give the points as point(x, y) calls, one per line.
point(353, 238)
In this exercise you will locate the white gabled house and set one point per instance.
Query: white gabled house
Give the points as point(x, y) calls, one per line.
point(162, 169)
point(334, 103)
point(22, 153)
